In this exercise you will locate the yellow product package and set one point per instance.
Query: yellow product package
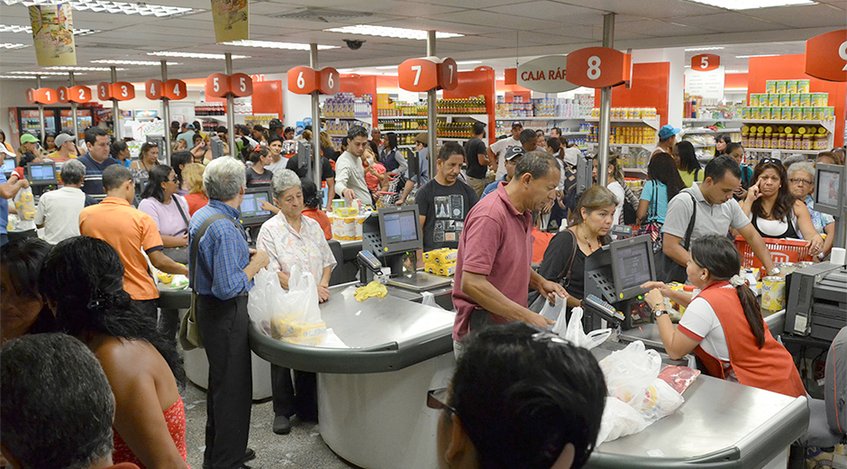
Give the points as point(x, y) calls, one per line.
point(292, 330)
point(443, 270)
point(371, 290)
point(441, 256)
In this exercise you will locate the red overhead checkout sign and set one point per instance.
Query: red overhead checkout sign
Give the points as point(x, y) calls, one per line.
point(826, 56)
point(79, 94)
point(62, 94)
point(598, 67)
point(123, 91)
point(428, 73)
point(705, 62)
point(41, 96)
point(221, 85)
point(330, 82)
point(171, 89)
point(306, 80)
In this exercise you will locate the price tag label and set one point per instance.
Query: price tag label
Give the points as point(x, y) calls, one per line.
point(705, 62)
point(62, 94)
point(329, 81)
point(448, 74)
point(174, 90)
point(104, 91)
point(79, 94)
point(45, 96)
point(303, 80)
point(598, 67)
point(826, 56)
point(217, 85)
point(153, 89)
point(418, 74)
point(240, 85)
point(123, 91)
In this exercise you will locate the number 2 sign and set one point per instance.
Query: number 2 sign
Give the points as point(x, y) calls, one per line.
point(79, 94)
point(826, 56)
point(598, 67)
point(705, 62)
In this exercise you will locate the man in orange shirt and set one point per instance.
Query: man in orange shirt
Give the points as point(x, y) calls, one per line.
point(129, 230)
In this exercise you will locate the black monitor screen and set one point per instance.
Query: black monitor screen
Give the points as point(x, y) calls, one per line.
point(42, 172)
point(401, 227)
point(828, 187)
point(633, 266)
point(251, 206)
point(8, 165)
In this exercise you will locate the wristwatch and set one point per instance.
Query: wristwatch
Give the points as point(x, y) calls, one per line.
point(659, 312)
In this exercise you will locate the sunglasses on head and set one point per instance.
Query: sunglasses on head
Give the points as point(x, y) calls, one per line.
point(769, 160)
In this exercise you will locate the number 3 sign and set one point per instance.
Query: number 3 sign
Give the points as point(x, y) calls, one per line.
point(598, 67)
point(826, 56)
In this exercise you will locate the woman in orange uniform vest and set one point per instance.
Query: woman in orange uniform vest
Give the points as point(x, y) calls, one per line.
point(723, 323)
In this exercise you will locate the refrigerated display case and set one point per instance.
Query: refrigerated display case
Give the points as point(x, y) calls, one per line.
point(83, 121)
point(56, 119)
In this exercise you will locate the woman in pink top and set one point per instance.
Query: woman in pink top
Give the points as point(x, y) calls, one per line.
point(169, 210)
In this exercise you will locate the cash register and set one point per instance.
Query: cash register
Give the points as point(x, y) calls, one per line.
point(252, 213)
point(392, 233)
point(42, 177)
point(8, 166)
point(613, 278)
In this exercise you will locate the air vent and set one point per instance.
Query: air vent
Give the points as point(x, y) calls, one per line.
point(323, 15)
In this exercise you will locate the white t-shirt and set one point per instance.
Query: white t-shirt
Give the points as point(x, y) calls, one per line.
point(701, 321)
point(499, 148)
point(59, 212)
point(572, 155)
point(617, 189)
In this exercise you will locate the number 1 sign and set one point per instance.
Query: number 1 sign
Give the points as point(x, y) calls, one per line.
point(598, 67)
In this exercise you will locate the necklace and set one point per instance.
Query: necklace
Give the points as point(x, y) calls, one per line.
point(587, 239)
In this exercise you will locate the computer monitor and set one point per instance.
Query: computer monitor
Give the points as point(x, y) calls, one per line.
point(8, 166)
point(252, 212)
point(400, 229)
point(41, 174)
point(829, 188)
point(632, 265)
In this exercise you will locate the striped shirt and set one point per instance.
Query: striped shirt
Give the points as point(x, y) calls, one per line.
point(94, 174)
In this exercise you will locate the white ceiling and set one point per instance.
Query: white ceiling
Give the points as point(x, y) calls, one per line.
point(494, 29)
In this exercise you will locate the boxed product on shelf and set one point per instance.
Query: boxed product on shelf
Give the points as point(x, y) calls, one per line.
point(348, 106)
point(559, 108)
point(626, 134)
point(340, 127)
point(473, 105)
point(787, 137)
point(618, 113)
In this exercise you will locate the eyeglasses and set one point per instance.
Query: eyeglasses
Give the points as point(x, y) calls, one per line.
point(801, 181)
point(437, 399)
point(773, 161)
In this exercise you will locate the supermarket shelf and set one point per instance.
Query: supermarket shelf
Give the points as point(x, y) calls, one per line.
point(691, 119)
point(451, 139)
point(476, 117)
point(366, 120)
point(575, 133)
point(538, 118)
point(217, 118)
point(711, 132)
point(649, 148)
point(635, 171)
point(401, 117)
point(650, 122)
point(828, 125)
point(402, 131)
point(405, 146)
point(782, 150)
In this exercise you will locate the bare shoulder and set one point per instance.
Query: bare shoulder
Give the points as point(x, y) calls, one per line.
point(125, 359)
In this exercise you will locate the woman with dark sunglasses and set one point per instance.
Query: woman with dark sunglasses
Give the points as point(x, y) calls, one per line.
point(519, 398)
point(776, 213)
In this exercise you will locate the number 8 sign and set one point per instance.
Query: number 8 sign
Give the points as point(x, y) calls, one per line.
point(598, 67)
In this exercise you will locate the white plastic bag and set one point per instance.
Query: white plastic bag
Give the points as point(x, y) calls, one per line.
point(298, 319)
point(572, 331)
point(629, 371)
point(658, 400)
point(264, 299)
point(619, 419)
point(428, 299)
point(554, 312)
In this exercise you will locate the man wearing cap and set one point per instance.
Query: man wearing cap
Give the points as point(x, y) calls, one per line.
point(65, 149)
point(512, 157)
point(497, 150)
point(28, 151)
point(187, 136)
point(667, 139)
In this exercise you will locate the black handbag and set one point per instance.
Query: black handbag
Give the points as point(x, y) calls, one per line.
point(669, 270)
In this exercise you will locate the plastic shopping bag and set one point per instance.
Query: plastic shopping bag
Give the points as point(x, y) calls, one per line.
point(628, 372)
point(265, 299)
point(658, 400)
point(619, 419)
point(428, 299)
point(298, 320)
point(554, 312)
point(572, 331)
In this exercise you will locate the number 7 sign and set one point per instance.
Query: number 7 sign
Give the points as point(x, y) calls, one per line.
point(418, 74)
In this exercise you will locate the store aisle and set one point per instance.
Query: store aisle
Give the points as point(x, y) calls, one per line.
point(303, 447)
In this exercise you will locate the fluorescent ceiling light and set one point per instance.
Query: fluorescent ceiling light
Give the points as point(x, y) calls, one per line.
point(276, 45)
point(753, 4)
point(698, 49)
point(14, 28)
point(63, 74)
point(385, 31)
point(12, 45)
point(469, 62)
point(17, 77)
point(760, 55)
point(83, 69)
point(130, 62)
point(735, 71)
point(106, 6)
point(386, 67)
point(195, 55)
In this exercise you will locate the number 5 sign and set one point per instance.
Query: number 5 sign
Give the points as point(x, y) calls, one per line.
point(598, 67)
point(826, 56)
point(705, 62)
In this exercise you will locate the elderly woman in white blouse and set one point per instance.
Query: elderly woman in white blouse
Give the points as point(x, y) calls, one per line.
point(291, 239)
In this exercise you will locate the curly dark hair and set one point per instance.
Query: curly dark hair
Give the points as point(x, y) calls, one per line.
point(784, 200)
point(84, 276)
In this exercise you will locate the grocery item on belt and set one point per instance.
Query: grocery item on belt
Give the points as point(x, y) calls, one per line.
point(372, 290)
point(773, 293)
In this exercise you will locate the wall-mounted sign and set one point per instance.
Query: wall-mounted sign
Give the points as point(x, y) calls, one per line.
point(709, 85)
point(545, 75)
point(826, 56)
point(705, 62)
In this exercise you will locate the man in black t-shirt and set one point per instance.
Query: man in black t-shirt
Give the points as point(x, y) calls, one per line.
point(327, 174)
point(477, 159)
point(445, 201)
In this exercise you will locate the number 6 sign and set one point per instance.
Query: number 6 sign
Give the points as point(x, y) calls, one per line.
point(598, 67)
point(826, 56)
point(329, 81)
point(302, 80)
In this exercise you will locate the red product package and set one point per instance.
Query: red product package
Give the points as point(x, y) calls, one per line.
point(678, 377)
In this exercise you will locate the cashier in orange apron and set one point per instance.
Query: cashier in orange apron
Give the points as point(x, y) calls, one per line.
point(723, 323)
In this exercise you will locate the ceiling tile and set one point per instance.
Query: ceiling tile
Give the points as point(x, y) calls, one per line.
point(807, 16)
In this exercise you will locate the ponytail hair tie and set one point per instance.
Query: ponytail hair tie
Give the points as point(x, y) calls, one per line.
point(737, 281)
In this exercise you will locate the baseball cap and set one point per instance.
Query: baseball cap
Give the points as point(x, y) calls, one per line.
point(28, 138)
point(62, 139)
point(516, 124)
point(421, 138)
point(668, 131)
point(190, 127)
point(275, 124)
point(513, 152)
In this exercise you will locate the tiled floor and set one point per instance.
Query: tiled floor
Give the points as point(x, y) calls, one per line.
point(302, 448)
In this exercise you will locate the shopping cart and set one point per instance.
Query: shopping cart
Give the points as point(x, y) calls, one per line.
point(782, 250)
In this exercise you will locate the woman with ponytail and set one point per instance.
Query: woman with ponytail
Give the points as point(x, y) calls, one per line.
point(82, 282)
point(723, 323)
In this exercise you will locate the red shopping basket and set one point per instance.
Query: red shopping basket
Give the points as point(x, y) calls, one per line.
point(782, 250)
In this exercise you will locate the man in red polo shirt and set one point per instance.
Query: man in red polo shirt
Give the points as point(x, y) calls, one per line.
point(493, 273)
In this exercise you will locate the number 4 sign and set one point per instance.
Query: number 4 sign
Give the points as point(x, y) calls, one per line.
point(826, 56)
point(598, 67)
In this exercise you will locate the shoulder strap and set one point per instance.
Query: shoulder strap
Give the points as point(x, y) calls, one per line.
point(566, 272)
point(195, 245)
point(181, 212)
point(687, 241)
